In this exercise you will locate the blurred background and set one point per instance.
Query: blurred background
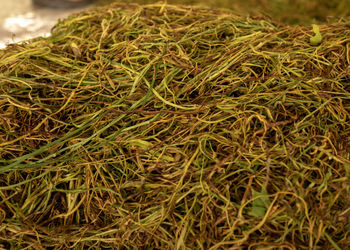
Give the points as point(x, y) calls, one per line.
point(25, 19)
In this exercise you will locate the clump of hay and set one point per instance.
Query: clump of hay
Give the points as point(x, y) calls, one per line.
point(172, 126)
point(287, 11)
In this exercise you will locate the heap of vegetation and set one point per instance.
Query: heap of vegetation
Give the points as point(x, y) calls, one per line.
point(171, 126)
point(293, 12)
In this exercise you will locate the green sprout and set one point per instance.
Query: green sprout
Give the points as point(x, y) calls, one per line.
point(317, 38)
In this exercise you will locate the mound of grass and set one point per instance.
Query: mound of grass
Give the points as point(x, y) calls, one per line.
point(302, 12)
point(167, 126)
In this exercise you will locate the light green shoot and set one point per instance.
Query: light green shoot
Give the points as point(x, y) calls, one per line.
point(317, 38)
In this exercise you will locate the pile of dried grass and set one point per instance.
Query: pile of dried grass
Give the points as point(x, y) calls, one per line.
point(175, 127)
point(302, 12)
